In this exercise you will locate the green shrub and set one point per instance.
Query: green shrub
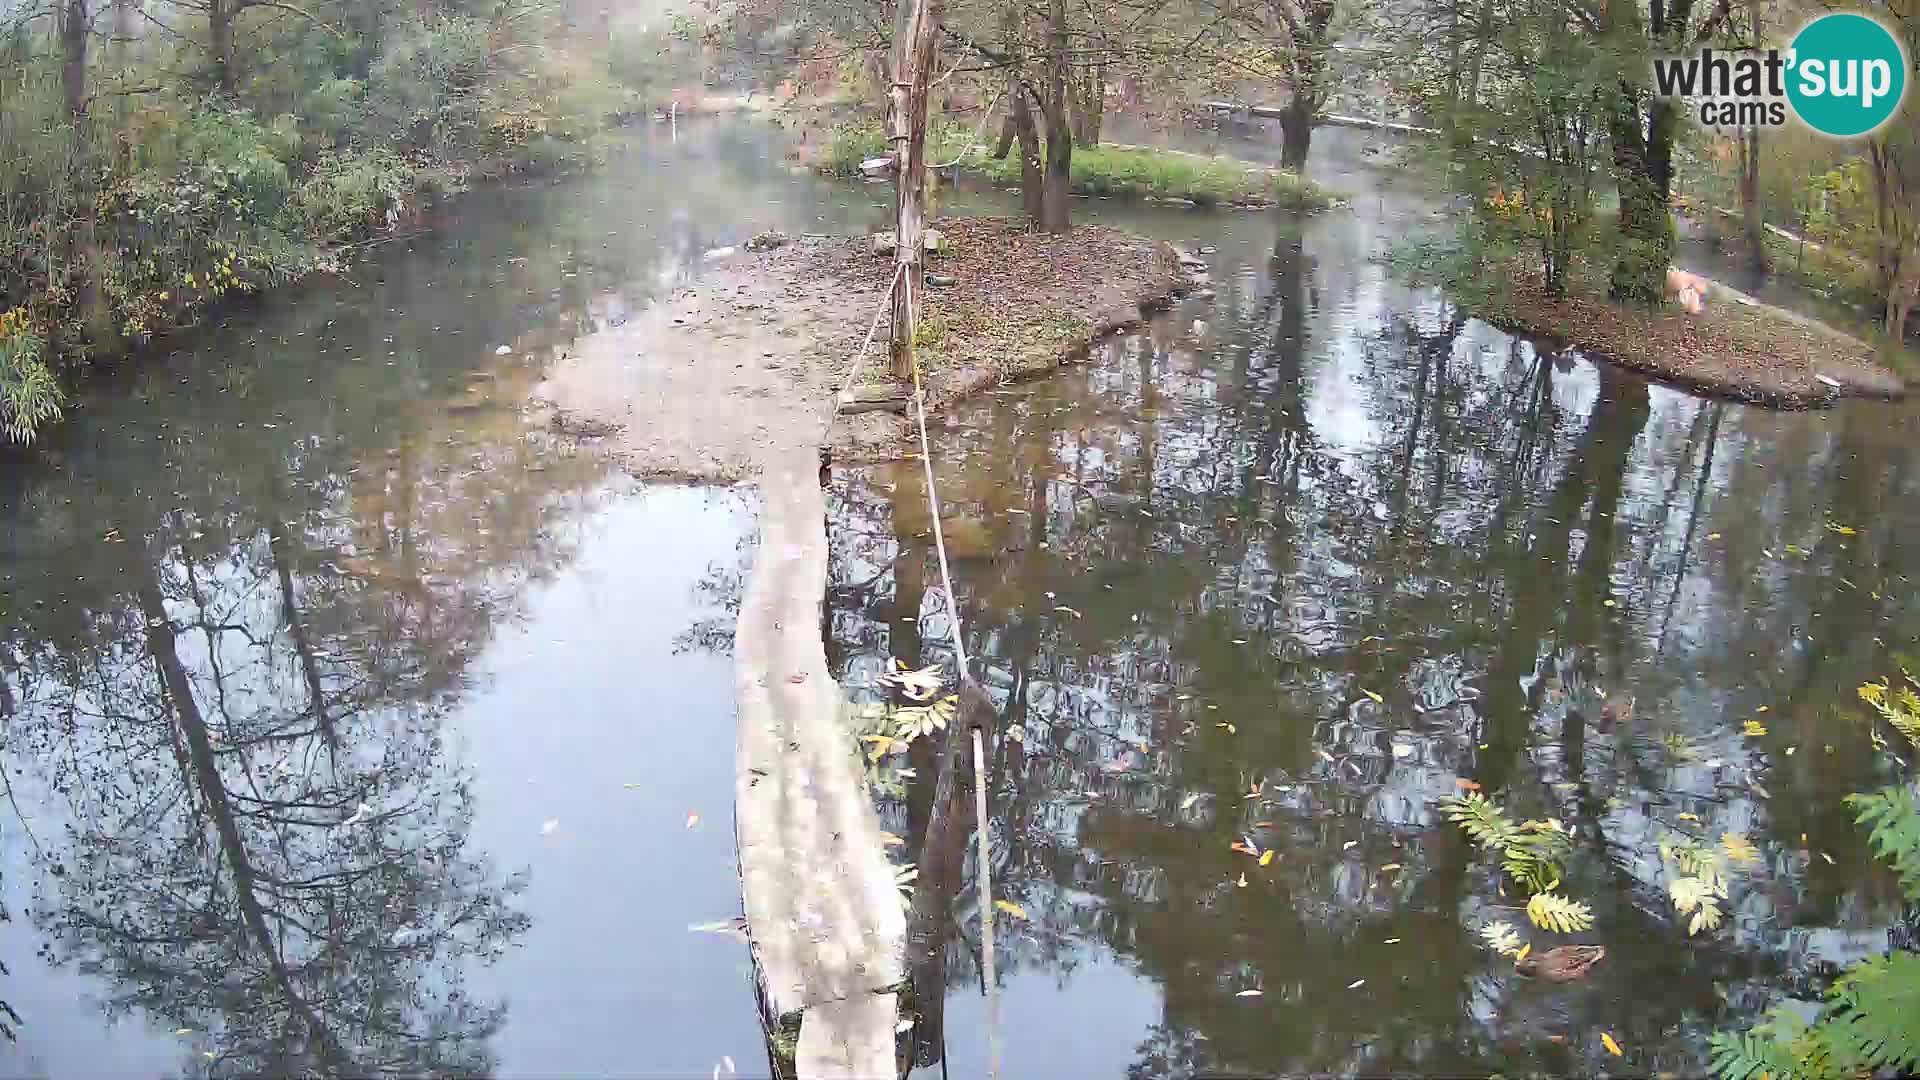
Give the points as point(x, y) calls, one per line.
point(29, 394)
point(350, 195)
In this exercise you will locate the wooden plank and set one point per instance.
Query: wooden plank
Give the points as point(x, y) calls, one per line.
point(825, 921)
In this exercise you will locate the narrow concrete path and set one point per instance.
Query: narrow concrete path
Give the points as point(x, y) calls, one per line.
point(826, 923)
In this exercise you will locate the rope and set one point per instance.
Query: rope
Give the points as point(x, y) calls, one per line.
point(860, 358)
point(985, 877)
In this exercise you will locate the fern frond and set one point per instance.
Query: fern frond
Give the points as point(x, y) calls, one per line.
point(1739, 848)
point(1551, 911)
point(1753, 1055)
point(1485, 822)
point(1530, 868)
point(1876, 1013)
point(1502, 938)
point(1893, 816)
point(1900, 708)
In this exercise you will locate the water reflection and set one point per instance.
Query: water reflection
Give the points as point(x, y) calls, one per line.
point(247, 589)
point(1288, 567)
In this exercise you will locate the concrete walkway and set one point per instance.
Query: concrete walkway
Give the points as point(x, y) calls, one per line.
point(826, 923)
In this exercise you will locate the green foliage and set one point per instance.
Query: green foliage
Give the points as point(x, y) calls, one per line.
point(1532, 853)
point(29, 393)
point(1893, 816)
point(1122, 172)
point(1132, 173)
point(131, 219)
point(1871, 1020)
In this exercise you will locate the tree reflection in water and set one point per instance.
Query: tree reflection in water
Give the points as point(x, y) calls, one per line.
point(1207, 553)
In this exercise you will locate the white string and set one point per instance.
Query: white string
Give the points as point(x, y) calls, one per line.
point(977, 133)
point(985, 877)
point(860, 358)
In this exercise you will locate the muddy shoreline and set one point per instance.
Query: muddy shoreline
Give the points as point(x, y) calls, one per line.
point(1738, 350)
point(745, 365)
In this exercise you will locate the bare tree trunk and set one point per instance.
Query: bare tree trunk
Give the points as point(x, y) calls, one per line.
point(1032, 190)
point(913, 61)
point(1007, 132)
point(1055, 211)
point(220, 34)
point(1751, 214)
point(73, 56)
point(1296, 134)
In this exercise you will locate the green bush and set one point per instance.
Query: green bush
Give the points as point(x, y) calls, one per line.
point(29, 394)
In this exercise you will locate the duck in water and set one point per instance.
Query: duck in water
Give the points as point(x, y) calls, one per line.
point(1564, 964)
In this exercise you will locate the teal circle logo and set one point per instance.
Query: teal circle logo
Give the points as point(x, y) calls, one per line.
point(1846, 75)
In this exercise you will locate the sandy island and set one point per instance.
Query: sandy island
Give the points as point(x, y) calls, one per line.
point(744, 365)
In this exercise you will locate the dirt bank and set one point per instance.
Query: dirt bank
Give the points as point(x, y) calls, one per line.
point(744, 365)
point(1736, 348)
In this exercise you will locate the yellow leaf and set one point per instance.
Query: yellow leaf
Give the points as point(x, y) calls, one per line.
point(1390, 866)
point(1377, 699)
point(1011, 908)
point(1764, 708)
point(1266, 858)
point(1754, 728)
point(1739, 848)
point(1612, 1047)
point(1689, 817)
point(887, 839)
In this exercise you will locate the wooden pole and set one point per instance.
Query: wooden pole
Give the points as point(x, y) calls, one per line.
point(907, 100)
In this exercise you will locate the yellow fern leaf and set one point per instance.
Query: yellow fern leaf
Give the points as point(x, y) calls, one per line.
point(1550, 911)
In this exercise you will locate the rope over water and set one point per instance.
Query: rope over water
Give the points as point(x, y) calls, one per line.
point(984, 879)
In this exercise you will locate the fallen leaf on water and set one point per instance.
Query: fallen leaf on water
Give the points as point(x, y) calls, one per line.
point(1522, 954)
point(692, 819)
point(1250, 993)
point(1465, 784)
point(1390, 866)
point(1713, 536)
point(887, 839)
point(1754, 728)
point(1402, 750)
point(1689, 817)
point(1827, 857)
point(1764, 708)
point(184, 1031)
point(1356, 984)
point(1377, 699)
point(1608, 603)
point(1612, 1047)
point(1266, 857)
point(1349, 845)
point(1391, 941)
point(1011, 908)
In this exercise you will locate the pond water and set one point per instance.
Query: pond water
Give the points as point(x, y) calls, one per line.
point(354, 724)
